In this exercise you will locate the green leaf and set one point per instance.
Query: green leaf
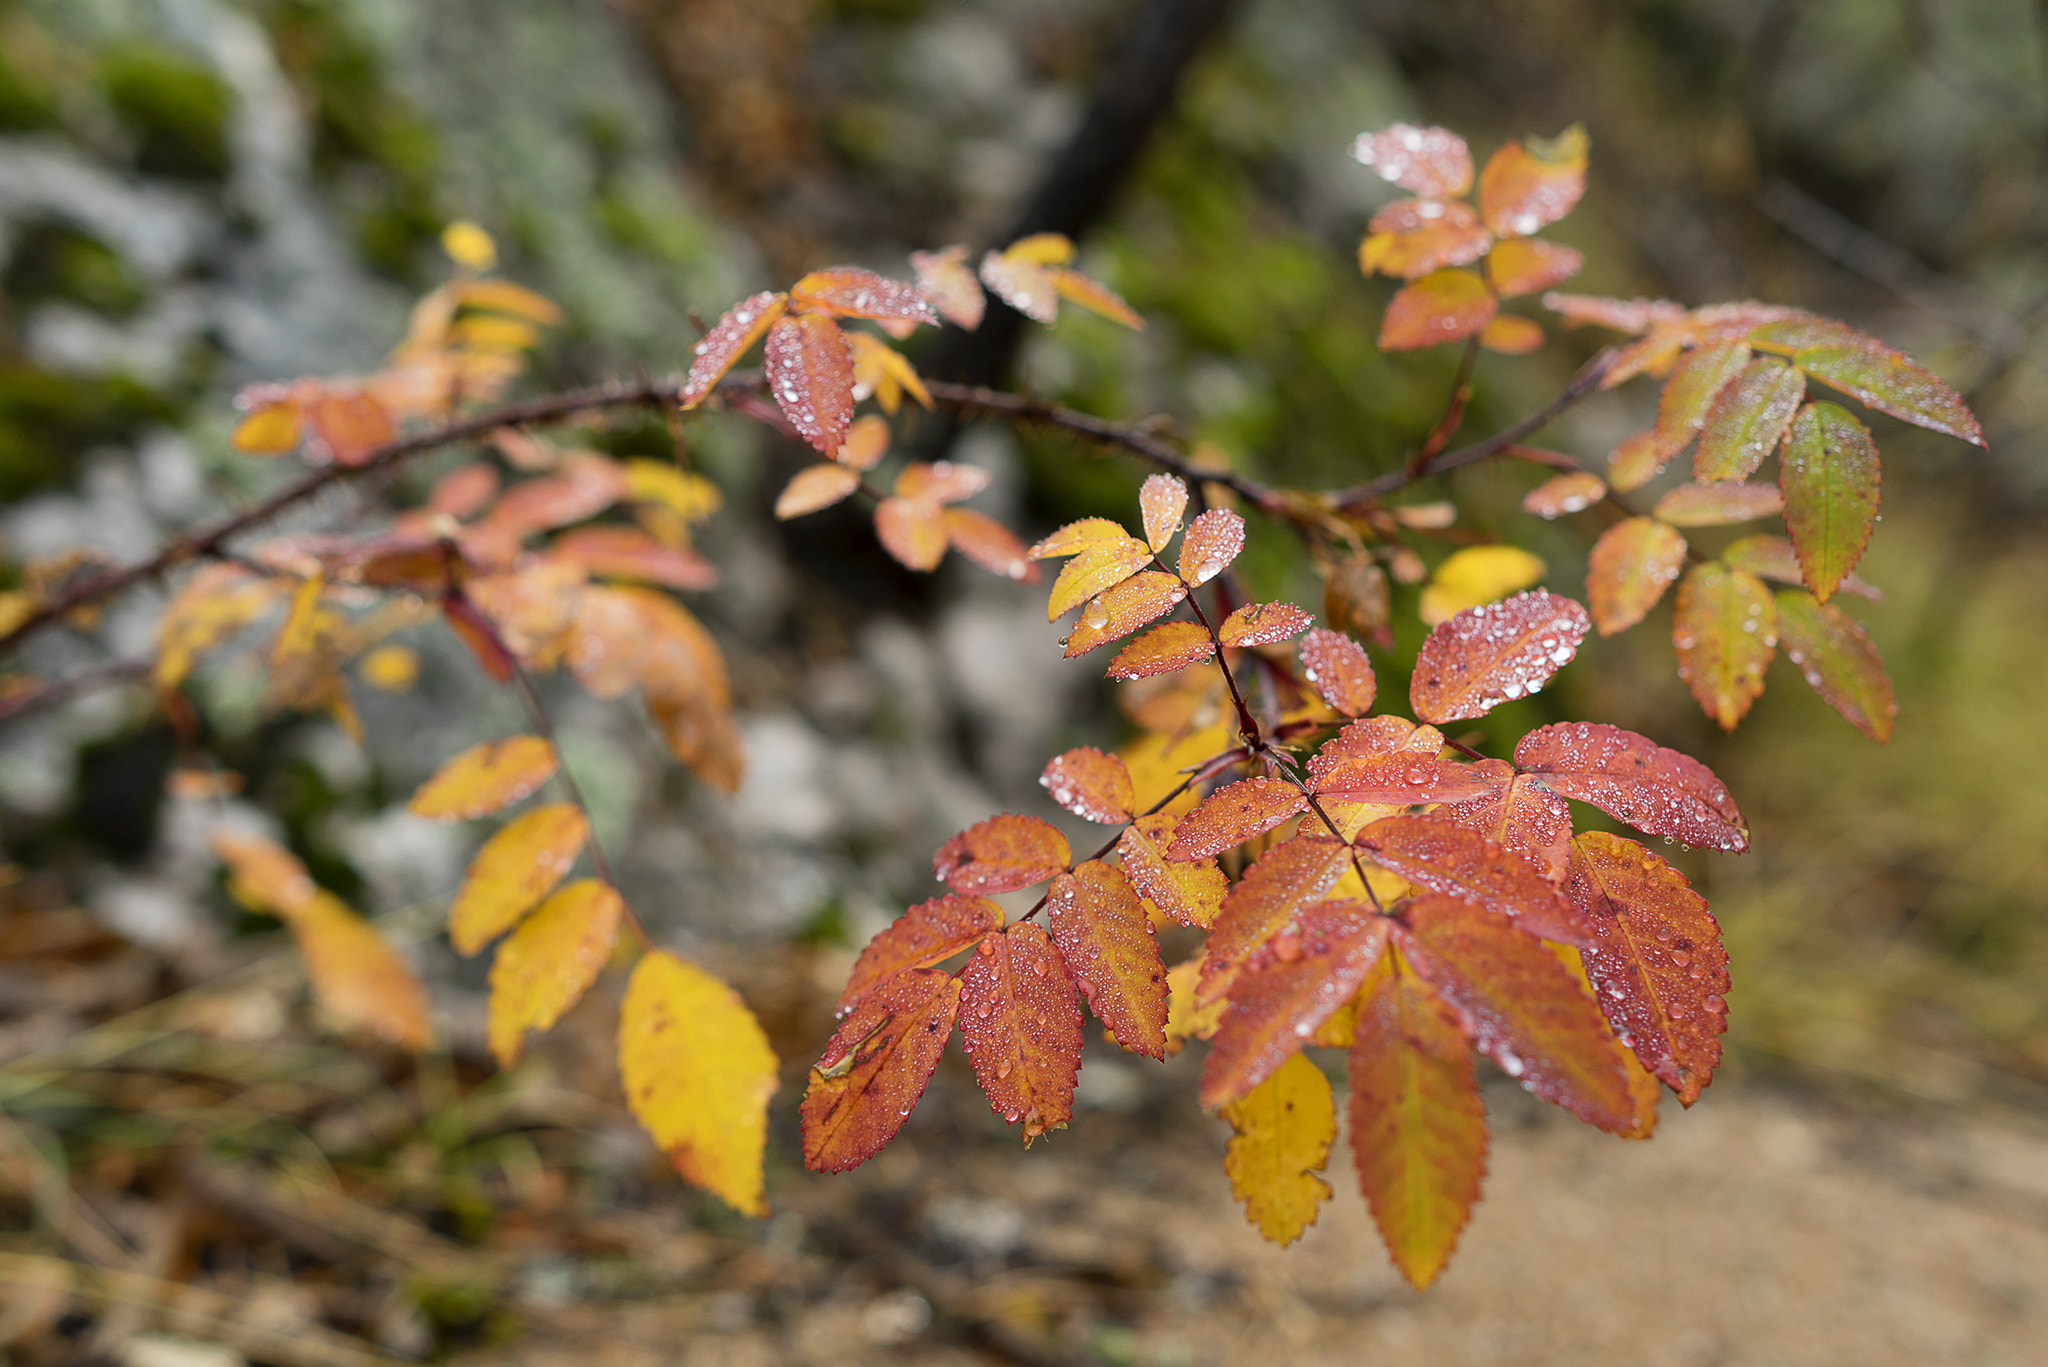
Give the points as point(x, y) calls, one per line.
point(1829, 474)
point(1748, 420)
point(1866, 369)
point(1838, 662)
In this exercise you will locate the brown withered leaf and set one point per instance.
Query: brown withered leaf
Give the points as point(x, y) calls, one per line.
point(484, 778)
point(1263, 624)
point(1457, 861)
point(1630, 567)
point(1526, 186)
point(1286, 990)
point(1121, 609)
point(1839, 662)
point(875, 1068)
point(737, 331)
point(1164, 649)
point(1634, 779)
point(1208, 546)
point(988, 543)
point(1021, 1027)
point(1427, 161)
point(1443, 306)
point(1189, 890)
point(1002, 854)
point(515, 869)
point(926, 935)
point(545, 966)
point(1091, 784)
point(850, 292)
point(809, 369)
point(1234, 814)
point(1337, 668)
point(1725, 630)
point(1494, 653)
point(1288, 878)
point(816, 487)
point(1106, 939)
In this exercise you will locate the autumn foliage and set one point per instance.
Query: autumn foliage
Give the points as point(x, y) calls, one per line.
point(1364, 881)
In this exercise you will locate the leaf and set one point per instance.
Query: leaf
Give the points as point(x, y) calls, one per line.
point(1696, 381)
point(585, 486)
point(1634, 779)
point(1838, 661)
point(1208, 546)
point(1282, 1132)
point(1397, 779)
point(1524, 265)
point(698, 1073)
point(1262, 624)
point(1443, 306)
point(1633, 316)
point(1718, 505)
point(816, 487)
point(1076, 537)
point(1418, 1127)
point(268, 429)
point(1867, 370)
point(1162, 650)
point(1494, 653)
point(1522, 188)
point(1830, 477)
point(809, 369)
point(1457, 861)
point(347, 426)
point(1106, 939)
point(1431, 162)
point(1092, 785)
point(1021, 1028)
point(940, 481)
point(356, 977)
point(513, 871)
point(736, 332)
point(923, 937)
point(1724, 628)
point(913, 530)
point(1520, 813)
point(881, 370)
point(1572, 492)
point(850, 292)
point(1511, 335)
point(1772, 557)
point(263, 875)
point(549, 962)
point(484, 778)
point(1184, 1019)
point(1630, 567)
point(1002, 854)
point(1189, 890)
point(629, 553)
point(1636, 460)
point(502, 296)
point(1412, 237)
point(1475, 575)
point(943, 278)
point(1234, 814)
point(1093, 295)
point(1521, 1008)
point(875, 1068)
point(692, 497)
point(1337, 668)
point(1095, 568)
point(474, 630)
point(1022, 284)
point(1286, 991)
point(1657, 964)
point(215, 603)
point(1121, 609)
point(1162, 503)
point(1747, 420)
point(1042, 249)
point(1287, 878)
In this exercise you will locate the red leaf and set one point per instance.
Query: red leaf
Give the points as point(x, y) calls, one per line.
point(926, 935)
point(809, 368)
point(1525, 187)
point(1572, 492)
point(1395, 780)
point(875, 1069)
point(1431, 162)
point(1106, 939)
point(1630, 567)
point(1340, 672)
point(850, 292)
point(1829, 474)
point(943, 277)
point(814, 488)
point(1521, 1008)
point(348, 425)
point(1002, 854)
point(1747, 420)
point(1286, 991)
point(1696, 381)
point(1261, 624)
point(1162, 650)
point(1121, 609)
point(1091, 785)
point(1521, 814)
point(1452, 859)
point(1022, 1028)
point(913, 530)
point(1189, 890)
point(1866, 369)
point(988, 543)
point(738, 330)
point(1285, 880)
point(1725, 629)
point(476, 632)
point(1718, 505)
point(1210, 543)
point(1838, 662)
point(1443, 306)
point(1234, 814)
point(1634, 779)
point(1162, 503)
point(1494, 653)
point(1524, 265)
point(464, 491)
point(586, 485)
point(1657, 963)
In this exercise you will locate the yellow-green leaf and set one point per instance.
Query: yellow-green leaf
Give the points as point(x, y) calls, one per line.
point(1829, 475)
point(1838, 661)
point(547, 964)
point(1284, 1128)
point(1725, 630)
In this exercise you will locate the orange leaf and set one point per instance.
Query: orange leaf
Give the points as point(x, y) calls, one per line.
point(1747, 420)
point(215, 603)
point(1118, 611)
point(875, 1068)
point(816, 487)
point(940, 482)
point(1076, 537)
point(698, 1073)
point(1211, 542)
point(1162, 650)
point(1285, 992)
point(913, 530)
point(1286, 879)
point(809, 368)
point(1718, 505)
point(585, 486)
point(944, 278)
point(1634, 779)
point(1443, 306)
point(269, 429)
point(1456, 861)
point(1521, 1008)
point(1688, 396)
point(736, 332)
point(1106, 939)
point(1184, 1019)
point(1022, 1028)
point(1162, 503)
point(1413, 237)
point(1521, 814)
point(1511, 335)
point(348, 426)
point(1337, 668)
point(463, 491)
point(514, 870)
point(1002, 854)
point(1093, 295)
point(926, 935)
point(629, 553)
point(1632, 316)
point(1022, 284)
point(867, 441)
point(1494, 653)
point(1234, 814)
point(1725, 629)
point(474, 630)
point(548, 963)
point(1656, 964)
point(1838, 661)
point(1098, 566)
point(1525, 187)
point(263, 875)
point(1282, 1135)
point(1262, 624)
point(1524, 265)
point(1571, 492)
point(988, 543)
point(1189, 890)
point(1635, 460)
point(484, 778)
point(1418, 1128)
point(1090, 784)
point(1395, 780)
point(356, 977)
point(1431, 162)
point(1630, 567)
point(850, 292)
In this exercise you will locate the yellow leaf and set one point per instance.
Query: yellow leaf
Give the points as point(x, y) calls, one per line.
point(469, 246)
point(1184, 1019)
point(391, 669)
point(698, 1073)
point(263, 875)
point(1475, 575)
point(1156, 760)
point(1042, 249)
point(1284, 1129)
point(357, 978)
point(514, 870)
point(502, 296)
point(270, 430)
point(550, 962)
point(213, 604)
point(657, 481)
point(1096, 297)
point(484, 778)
